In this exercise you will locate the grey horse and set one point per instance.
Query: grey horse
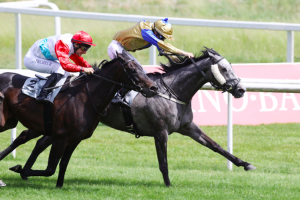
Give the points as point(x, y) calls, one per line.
point(159, 117)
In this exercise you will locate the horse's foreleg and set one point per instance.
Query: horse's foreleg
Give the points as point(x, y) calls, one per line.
point(161, 140)
point(193, 131)
point(24, 137)
point(56, 152)
point(64, 163)
point(40, 146)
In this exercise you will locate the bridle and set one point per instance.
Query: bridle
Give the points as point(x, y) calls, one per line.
point(226, 87)
point(136, 87)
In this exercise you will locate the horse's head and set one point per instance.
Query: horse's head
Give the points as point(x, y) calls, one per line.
point(136, 75)
point(223, 75)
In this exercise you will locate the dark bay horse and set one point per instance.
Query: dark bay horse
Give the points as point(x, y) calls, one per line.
point(75, 112)
point(158, 117)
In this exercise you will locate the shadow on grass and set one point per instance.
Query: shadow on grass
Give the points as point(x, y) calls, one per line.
point(43, 183)
point(82, 185)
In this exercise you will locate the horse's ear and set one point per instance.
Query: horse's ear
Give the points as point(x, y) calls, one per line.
point(119, 55)
point(210, 54)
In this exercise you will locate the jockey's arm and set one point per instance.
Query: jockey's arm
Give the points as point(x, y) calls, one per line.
point(149, 36)
point(62, 51)
point(80, 61)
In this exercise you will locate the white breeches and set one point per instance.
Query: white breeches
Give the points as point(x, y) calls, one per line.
point(114, 47)
point(42, 65)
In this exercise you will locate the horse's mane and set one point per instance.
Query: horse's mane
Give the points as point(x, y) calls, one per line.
point(174, 66)
point(98, 68)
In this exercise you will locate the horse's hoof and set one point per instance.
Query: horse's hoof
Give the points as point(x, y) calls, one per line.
point(23, 177)
point(17, 168)
point(249, 167)
point(2, 184)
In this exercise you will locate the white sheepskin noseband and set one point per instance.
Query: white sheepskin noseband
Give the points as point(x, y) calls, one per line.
point(217, 74)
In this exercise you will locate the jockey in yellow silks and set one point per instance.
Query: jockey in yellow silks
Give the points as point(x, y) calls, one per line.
point(141, 36)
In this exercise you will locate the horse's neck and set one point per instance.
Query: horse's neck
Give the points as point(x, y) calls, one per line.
point(103, 91)
point(185, 82)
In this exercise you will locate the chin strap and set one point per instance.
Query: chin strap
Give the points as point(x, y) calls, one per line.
point(75, 48)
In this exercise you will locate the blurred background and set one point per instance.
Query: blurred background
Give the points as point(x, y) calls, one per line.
point(237, 45)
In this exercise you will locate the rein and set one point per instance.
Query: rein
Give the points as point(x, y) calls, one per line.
point(135, 87)
point(171, 92)
point(225, 87)
point(117, 83)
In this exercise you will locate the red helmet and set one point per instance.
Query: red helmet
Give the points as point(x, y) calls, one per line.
point(82, 37)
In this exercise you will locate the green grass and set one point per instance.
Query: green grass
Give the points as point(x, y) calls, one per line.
point(115, 165)
point(237, 45)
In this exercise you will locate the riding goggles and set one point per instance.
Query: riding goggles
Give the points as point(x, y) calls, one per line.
point(84, 47)
point(159, 36)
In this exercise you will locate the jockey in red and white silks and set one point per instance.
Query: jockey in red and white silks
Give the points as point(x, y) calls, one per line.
point(51, 55)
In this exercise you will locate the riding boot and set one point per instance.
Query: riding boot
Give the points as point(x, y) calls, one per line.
point(51, 81)
point(119, 98)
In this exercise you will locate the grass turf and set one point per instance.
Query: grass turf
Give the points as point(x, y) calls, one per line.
point(115, 165)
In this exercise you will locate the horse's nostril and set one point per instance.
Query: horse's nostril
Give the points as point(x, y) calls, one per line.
point(241, 91)
point(154, 88)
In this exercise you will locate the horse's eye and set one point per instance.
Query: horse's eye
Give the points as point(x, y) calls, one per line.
point(133, 70)
point(224, 69)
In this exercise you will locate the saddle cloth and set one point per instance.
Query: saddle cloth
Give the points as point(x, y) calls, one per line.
point(33, 86)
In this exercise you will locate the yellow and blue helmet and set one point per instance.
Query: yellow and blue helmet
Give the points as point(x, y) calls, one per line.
point(164, 28)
